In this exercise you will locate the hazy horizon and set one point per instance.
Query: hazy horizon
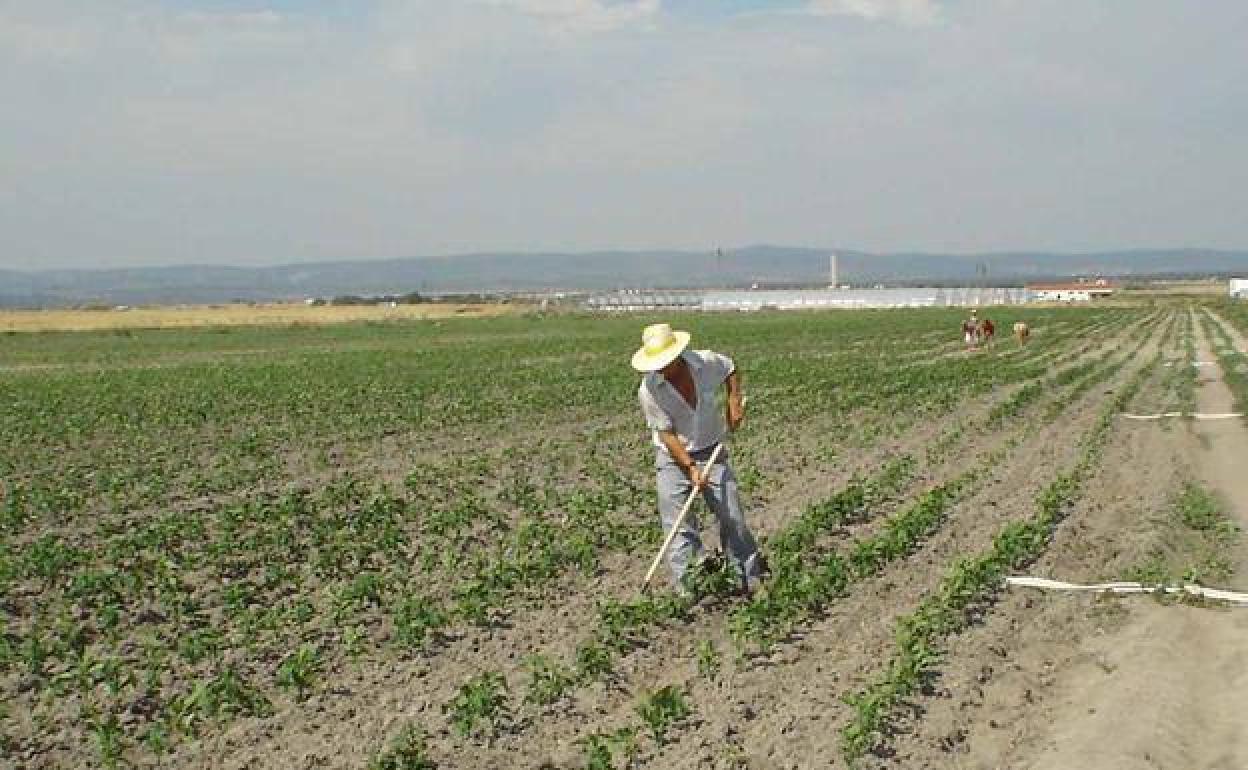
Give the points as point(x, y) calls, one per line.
point(247, 133)
point(968, 257)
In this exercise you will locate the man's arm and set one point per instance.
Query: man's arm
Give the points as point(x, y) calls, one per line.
point(661, 424)
point(677, 450)
point(734, 410)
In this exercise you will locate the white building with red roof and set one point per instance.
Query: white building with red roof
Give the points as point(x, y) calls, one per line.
point(1075, 291)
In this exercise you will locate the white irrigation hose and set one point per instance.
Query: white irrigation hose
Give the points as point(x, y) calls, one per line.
point(1193, 415)
point(1191, 589)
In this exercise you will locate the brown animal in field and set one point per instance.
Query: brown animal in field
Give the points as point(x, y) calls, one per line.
point(971, 330)
point(987, 330)
point(970, 333)
point(1021, 332)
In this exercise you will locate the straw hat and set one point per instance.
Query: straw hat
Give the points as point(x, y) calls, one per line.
point(659, 347)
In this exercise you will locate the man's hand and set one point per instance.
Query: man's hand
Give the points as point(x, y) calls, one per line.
point(697, 477)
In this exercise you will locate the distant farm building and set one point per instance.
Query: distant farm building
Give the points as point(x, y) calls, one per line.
point(1239, 288)
point(746, 300)
point(1081, 291)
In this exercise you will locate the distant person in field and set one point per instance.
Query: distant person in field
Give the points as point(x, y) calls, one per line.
point(971, 329)
point(678, 400)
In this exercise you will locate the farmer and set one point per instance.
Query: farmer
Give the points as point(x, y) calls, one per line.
point(678, 400)
point(970, 329)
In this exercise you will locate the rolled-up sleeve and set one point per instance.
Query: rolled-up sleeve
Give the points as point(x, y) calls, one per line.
point(718, 365)
point(656, 418)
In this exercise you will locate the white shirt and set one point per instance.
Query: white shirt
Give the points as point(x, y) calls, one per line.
point(666, 410)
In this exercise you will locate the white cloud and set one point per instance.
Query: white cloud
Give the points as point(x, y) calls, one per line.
point(585, 15)
point(264, 18)
point(910, 12)
point(224, 35)
point(41, 39)
point(135, 133)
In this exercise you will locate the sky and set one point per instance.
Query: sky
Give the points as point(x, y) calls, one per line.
point(250, 132)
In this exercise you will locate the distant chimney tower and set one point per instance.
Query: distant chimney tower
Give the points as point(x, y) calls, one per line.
point(833, 281)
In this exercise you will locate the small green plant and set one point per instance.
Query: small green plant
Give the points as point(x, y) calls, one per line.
point(661, 709)
point(35, 653)
point(225, 695)
point(364, 588)
point(709, 659)
point(353, 640)
point(416, 621)
point(299, 670)
point(715, 576)
point(481, 700)
point(1152, 571)
point(601, 749)
point(549, 681)
point(108, 739)
point(302, 611)
point(156, 738)
point(48, 557)
point(1201, 511)
point(408, 751)
point(593, 662)
point(198, 645)
point(237, 597)
point(473, 602)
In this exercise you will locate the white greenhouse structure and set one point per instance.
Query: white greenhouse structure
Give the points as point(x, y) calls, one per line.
point(744, 300)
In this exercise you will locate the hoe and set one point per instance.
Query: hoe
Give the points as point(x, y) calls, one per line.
point(671, 535)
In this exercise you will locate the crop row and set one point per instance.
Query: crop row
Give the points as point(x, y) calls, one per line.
point(972, 582)
point(1234, 363)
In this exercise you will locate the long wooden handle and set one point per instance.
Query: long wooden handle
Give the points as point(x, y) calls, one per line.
point(671, 535)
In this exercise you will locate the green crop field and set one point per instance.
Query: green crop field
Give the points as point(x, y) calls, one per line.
point(414, 544)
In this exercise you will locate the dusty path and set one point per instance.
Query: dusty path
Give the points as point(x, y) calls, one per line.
point(1170, 689)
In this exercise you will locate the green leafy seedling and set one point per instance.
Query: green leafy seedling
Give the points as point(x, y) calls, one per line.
point(709, 659)
point(601, 749)
point(593, 662)
point(299, 670)
point(416, 621)
point(661, 709)
point(550, 680)
point(408, 751)
point(109, 739)
point(481, 700)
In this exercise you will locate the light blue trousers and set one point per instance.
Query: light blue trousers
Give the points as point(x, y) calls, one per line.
point(721, 496)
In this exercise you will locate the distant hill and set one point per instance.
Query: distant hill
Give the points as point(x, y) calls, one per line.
point(594, 270)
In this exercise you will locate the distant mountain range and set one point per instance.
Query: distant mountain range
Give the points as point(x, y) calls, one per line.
point(586, 271)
